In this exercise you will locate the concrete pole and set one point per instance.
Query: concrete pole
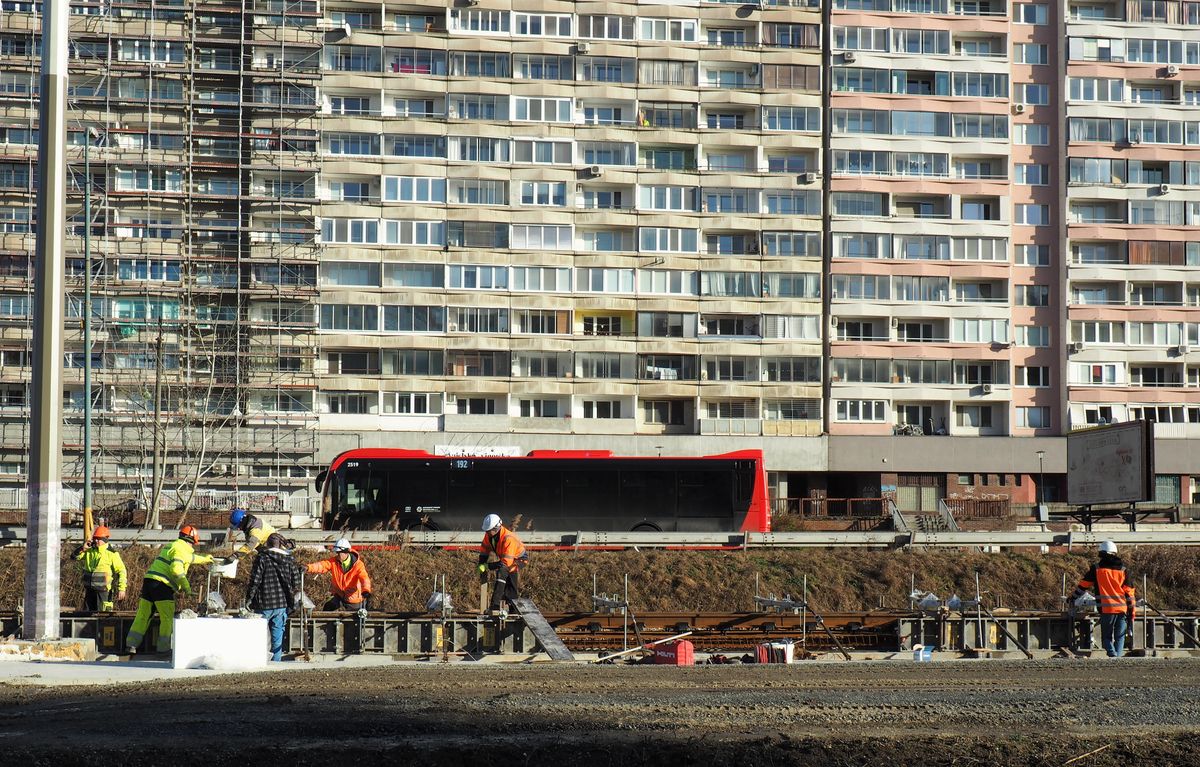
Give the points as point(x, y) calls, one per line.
point(41, 620)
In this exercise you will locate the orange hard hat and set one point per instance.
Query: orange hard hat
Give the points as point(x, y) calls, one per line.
point(190, 533)
point(101, 532)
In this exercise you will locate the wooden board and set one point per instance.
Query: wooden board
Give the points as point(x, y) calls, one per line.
point(546, 637)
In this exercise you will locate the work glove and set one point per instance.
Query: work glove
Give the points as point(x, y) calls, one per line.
point(121, 595)
point(482, 568)
point(221, 561)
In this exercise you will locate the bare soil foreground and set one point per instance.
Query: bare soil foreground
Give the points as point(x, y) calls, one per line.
point(864, 713)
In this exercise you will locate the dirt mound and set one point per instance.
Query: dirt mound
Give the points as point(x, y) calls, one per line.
point(852, 579)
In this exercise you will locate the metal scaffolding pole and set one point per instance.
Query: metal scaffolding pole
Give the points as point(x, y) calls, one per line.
point(41, 620)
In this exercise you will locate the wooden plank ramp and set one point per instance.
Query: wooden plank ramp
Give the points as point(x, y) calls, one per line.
point(541, 629)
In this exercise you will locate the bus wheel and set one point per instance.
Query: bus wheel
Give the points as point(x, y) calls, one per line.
point(645, 527)
point(419, 526)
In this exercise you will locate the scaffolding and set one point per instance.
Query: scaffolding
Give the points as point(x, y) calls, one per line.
point(197, 120)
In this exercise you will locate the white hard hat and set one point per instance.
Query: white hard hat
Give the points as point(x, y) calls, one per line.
point(490, 521)
point(341, 544)
point(1108, 547)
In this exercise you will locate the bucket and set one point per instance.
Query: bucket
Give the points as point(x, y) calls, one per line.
point(225, 571)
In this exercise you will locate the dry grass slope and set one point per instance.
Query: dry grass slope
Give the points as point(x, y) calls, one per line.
point(707, 581)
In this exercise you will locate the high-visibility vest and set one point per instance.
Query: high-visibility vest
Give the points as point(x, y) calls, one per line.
point(103, 568)
point(507, 547)
point(172, 563)
point(1113, 593)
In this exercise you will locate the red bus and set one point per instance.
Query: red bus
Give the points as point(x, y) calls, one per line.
point(550, 490)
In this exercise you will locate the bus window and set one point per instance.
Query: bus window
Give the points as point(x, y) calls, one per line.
point(705, 499)
point(648, 495)
point(363, 494)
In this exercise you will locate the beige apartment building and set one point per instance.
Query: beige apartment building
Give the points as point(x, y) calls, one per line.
point(893, 243)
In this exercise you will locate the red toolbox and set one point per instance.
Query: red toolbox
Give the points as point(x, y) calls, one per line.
point(678, 653)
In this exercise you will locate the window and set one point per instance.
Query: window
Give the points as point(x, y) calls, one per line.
point(1031, 134)
point(979, 331)
point(1032, 174)
point(1033, 376)
point(541, 25)
point(1033, 417)
point(349, 317)
point(1031, 215)
point(1030, 53)
point(973, 416)
point(475, 406)
point(677, 30)
point(860, 411)
point(667, 240)
point(606, 27)
point(1030, 13)
point(1033, 335)
point(601, 408)
point(479, 277)
point(792, 409)
point(545, 110)
point(600, 280)
point(412, 403)
point(541, 278)
point(1034, 94)
point(546, 193)
point(664, 412)
point(413, 189)
point(1032, 295)
point(414, 319)
point(1033, 255)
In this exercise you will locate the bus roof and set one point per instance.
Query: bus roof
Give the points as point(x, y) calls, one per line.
point(368, 453)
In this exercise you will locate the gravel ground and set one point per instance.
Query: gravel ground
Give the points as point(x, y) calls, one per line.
point(861, 713)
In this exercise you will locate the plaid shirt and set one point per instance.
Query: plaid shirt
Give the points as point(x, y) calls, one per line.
point(274, 578)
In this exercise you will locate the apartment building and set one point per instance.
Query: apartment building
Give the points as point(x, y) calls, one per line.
point(894, 243)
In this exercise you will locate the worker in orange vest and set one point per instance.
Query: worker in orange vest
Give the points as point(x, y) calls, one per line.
point(510, 557)
point(350, 583)
point(1110, 581)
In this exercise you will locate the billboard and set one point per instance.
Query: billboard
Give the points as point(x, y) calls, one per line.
point(1111, 464)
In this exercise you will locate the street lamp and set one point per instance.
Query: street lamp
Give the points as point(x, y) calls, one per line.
point(1041, 492)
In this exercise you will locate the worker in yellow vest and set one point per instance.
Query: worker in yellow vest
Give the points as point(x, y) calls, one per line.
point(103, 572)
point(167, 576)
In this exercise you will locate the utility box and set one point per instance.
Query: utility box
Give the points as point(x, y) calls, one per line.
point(678, 653)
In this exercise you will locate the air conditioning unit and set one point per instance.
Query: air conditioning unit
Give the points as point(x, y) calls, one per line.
point(806, 178)
point(1018, 109)
point(452, 327)
point(895, 322)
point(451, 398)
point(833, 323)
point(1164, 188)
point(1171, 70)
point(1077, 347)
point(594, 171)
point(849, 57)
point(987, 388)
point(703, 375)
point(470, 3)
point(1182, 349)
point(583, 48)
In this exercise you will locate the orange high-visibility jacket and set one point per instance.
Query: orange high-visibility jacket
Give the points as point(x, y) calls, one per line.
point(1113, 592)
point(349, 584)
point(507, 547)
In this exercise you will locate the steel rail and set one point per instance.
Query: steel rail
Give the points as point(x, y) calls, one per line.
point(13, 535)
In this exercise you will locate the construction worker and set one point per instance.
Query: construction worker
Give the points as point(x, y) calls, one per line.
point(510, 557)
point(1110, 581)
point(166, 576)
point(274, 583)
point(349, 581)
point(103, 571)
point(256, 531)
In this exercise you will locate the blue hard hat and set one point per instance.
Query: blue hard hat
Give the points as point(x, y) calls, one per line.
point(236, 517)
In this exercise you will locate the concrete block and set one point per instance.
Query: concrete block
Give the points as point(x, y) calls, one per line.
point(48, 649)
point(223, 644)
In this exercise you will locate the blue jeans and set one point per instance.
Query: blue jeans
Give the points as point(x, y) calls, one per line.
point(1112, 633)
point(277, 623)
